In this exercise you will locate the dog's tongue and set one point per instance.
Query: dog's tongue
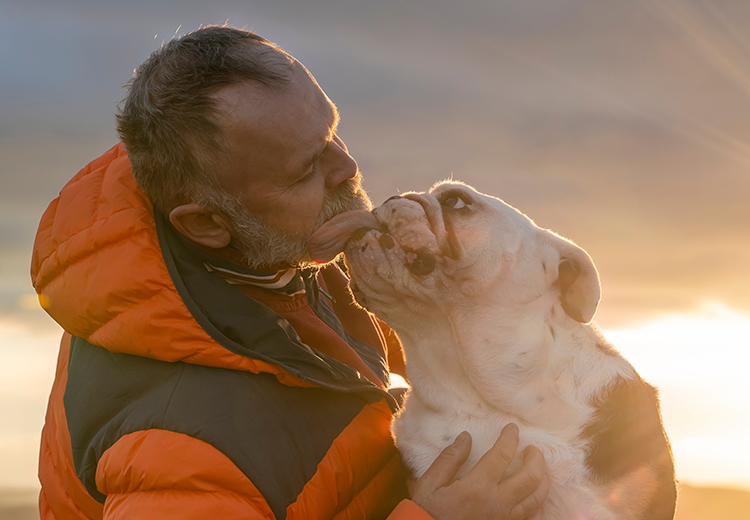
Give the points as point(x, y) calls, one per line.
point(330, 239)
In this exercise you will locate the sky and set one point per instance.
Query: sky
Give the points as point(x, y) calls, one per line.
point(624, 126)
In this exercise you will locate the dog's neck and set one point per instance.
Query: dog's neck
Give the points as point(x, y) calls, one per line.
point(521, 365)
point(435, 366)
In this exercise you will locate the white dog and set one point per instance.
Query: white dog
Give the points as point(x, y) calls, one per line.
point(494, 314)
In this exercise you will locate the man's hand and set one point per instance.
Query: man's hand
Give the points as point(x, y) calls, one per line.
point(483, 493)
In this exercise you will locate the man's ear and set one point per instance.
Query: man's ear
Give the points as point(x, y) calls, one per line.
point(203, 226)
point(576, 278)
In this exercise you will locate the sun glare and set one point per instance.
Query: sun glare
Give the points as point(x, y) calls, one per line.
point(26, 372)
point(699, 363)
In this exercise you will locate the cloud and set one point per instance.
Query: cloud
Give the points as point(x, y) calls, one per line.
point(614, 123)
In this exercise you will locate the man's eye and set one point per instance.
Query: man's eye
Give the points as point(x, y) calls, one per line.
point(307, 176)
point(454, 202)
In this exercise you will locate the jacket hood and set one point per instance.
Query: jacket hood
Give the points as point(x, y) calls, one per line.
point(112, 272)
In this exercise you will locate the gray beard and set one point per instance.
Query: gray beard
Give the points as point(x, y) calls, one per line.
point(262, 246)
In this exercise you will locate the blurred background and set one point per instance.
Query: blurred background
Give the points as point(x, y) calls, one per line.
point(623, 125)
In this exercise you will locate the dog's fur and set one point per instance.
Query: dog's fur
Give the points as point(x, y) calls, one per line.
point(494, 314)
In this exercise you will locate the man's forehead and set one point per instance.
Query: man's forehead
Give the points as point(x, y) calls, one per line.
point(324, 99)
point(275, 134)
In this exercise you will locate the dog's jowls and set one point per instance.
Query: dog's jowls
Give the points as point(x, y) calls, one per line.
point(494, 315)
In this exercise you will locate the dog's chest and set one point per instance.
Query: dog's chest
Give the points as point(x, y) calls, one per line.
point(546, 377)
point(547, 387)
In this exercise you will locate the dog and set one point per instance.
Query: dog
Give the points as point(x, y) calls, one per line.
point(494, 314)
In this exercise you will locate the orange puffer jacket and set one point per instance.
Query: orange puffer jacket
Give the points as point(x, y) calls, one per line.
point(178, 397)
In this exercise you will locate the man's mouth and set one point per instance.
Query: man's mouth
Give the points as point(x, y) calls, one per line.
point(331, 238)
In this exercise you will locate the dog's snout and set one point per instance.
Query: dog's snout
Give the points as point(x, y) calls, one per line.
point(419, 198)
point(390, 199)
point(423, 264)
point(386, 241)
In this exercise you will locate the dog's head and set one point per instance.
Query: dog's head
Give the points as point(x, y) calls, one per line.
point(453, 243)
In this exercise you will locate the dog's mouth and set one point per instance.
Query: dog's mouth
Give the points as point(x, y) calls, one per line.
point(413, 223)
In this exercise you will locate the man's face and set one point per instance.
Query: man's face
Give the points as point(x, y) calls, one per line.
point(286, 166)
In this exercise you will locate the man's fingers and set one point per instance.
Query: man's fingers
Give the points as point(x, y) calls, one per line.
point(528, 477)
point(538, 515)
point(528, 486)
point(483, 492)
point(443, 470)
point(493, 464)
point(531, 507)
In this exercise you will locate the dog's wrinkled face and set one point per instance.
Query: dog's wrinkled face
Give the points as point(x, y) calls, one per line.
point(453, 243)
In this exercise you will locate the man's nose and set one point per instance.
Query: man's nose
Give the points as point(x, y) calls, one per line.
point(343, 166)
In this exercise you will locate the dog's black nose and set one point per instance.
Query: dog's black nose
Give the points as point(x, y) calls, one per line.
point(386, 241)
point(424, 264)
point(359, 233)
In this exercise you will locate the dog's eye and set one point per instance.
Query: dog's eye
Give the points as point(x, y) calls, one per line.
point(454, 202)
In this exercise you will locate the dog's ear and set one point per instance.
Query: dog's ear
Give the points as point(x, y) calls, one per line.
point(576, 278)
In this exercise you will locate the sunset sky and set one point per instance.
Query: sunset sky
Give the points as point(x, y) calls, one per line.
point(622, 125)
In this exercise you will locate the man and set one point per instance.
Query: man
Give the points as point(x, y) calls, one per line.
point(207, 370)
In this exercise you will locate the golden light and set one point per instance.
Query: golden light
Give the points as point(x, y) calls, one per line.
point(30, 302)
point(699, 362)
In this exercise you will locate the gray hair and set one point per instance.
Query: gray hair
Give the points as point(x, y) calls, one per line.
point(166, 120)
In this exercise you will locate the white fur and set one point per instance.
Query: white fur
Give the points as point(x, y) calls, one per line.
point(488, 340)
